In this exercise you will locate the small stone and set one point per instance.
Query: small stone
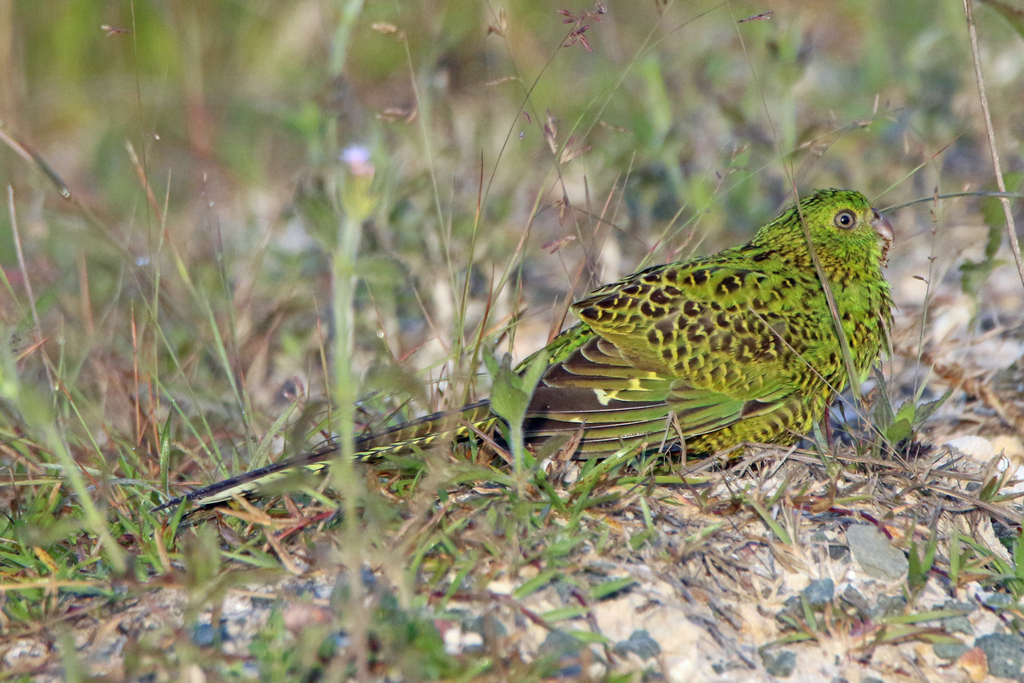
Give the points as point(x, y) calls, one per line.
point(790, 608)
point(854, 597)
point(838, 552)
point(528, 572)
point(501, 587)
point(564, 590)
point(560, 643)
point(781, 665)
point(875, 554)
point(725, 666)
point(640, 643)
point(1005, 654)
point(1000, 601)
point(24, 653)
point(959, 624)
point(487, 626)
point(203, 634)
point(1008, 446)
point(975, 664)
point(451, 635)
point(369, 578)
point(889, 606)
point(978, 448)
point(950, 651)
point(820, 593)
point(471, 641)
point(566, 649)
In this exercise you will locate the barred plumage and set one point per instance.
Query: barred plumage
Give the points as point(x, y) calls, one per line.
point(725, 349)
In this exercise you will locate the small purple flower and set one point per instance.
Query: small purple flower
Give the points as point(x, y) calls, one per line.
point(357, 158)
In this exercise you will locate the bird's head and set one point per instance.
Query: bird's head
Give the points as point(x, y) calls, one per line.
point(845, 229)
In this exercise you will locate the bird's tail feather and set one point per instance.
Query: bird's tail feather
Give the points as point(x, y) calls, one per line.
point(421, 433)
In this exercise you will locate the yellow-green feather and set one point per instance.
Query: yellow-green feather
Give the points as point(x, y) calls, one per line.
point(730, 348)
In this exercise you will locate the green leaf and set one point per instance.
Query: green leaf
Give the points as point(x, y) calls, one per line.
point(510, 393)
point(508, 401)
point(770, 521)
point(564, 613)
point(884, 416)
point(603, 590)
point(917, 617)
point(906, 411)
point(538, 365)
point(266, 446)
point(808, 612)
point(165, 453)
point(974, 273)
point(926, 410)
point(920, 565)
point(954, 558)
point(589, 637)
point(1018, 556)
point(536, 583)
point(898, 431)
point(914, 572)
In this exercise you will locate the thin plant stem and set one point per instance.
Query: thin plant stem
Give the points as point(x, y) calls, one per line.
point(343, 278)
point(1011, 229)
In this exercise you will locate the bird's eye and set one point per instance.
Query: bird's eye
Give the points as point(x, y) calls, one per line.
point(845, 219)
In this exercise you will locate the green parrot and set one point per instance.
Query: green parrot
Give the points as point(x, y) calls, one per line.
point(700, 355)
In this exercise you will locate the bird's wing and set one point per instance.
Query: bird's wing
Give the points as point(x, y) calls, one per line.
point(706, 345)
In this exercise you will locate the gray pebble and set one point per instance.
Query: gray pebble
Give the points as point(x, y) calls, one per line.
point(959, 624)
point(820, 593)
point(889, 606)
point(875, 554)
point(780, 665)
point(1000, 601)
point(639, 642)
point(949, 651)
point(1005, 654)
point(203, 634)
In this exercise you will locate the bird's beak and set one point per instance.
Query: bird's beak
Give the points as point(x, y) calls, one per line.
point(884, 229)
